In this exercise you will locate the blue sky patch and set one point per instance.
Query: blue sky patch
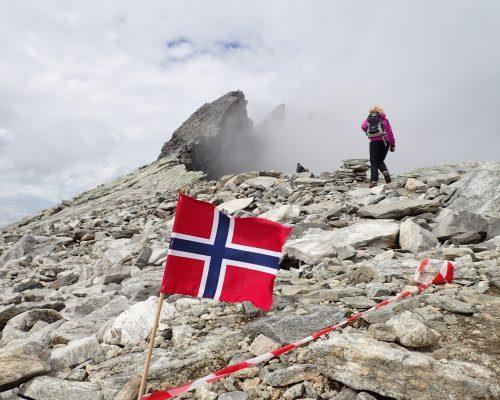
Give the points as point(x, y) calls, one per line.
point(177, 42)
point(230, 45)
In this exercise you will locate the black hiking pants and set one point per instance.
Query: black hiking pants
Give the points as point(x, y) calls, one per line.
point(378, 151)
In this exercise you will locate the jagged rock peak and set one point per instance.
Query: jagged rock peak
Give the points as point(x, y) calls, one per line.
point(275, 118)
point(212, 138)
point(277, 114)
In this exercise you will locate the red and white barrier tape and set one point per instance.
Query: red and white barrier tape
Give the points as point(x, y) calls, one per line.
point(445, 275)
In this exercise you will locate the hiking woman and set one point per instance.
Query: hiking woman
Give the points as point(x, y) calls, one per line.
point(379, 131)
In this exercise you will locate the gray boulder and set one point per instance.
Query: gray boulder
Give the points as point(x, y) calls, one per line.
point(442, 179)
point(231, 206)
point(450, 304)
point(493, 227)
point(282, 214)
point(49, 388)
point(19, 363)
point(287, 327)
point(410, 331)
point(414, 238)
point(25, 321)
point(478, 191)
point(23, 246)
point(398, 209)
point(77, 352)
point(290, 375)
point(233, 396)
point(451, 223)
point(261, 182)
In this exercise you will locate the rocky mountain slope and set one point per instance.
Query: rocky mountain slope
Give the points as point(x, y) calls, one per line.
point(79, 282)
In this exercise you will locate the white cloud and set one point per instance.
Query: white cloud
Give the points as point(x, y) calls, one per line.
point(92, 89)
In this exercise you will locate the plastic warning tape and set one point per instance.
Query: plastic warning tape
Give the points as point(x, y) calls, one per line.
point(445, 275)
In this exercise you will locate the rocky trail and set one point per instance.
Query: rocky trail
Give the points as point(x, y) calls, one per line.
point(79, 282)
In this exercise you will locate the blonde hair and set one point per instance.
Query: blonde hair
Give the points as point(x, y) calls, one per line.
point(376, 109)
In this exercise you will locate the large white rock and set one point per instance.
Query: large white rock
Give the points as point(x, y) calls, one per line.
point(78, 351)
point(413, 184)
point(414, 238)
point(313, 246)
point(117, 250)
point(261, 182)
point(262, 344)
point(134, 325)
point(359, 193)
point(410, 331)
point(234, 205)
point(282, 214)
point(363, 363)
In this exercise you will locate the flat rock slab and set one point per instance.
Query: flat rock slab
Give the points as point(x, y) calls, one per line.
point(290, 375)
point(357, 302)
point(282, 214)
point(48, 388)
point(78, 351)
point(287, 327)
point(390, 370)
point(233, 396)
point(134, 325)
point(440, 179)
point(313, 246)
point(261, 182)
point(450, 304)
point(309, 181)
point(234, 205)
point(399, 209)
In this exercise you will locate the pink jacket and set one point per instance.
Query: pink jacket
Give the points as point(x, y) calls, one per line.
point(387, 128)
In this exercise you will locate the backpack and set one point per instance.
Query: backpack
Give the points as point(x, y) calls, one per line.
point(375, 127)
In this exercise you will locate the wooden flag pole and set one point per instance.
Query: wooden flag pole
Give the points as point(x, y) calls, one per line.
point(144, 378)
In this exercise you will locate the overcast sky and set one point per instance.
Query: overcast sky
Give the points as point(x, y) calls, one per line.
point(90, 90)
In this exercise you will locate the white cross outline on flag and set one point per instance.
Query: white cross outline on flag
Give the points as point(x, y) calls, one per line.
point(224, 262)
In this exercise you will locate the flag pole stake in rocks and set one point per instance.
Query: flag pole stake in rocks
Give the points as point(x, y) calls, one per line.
point(215, 256)
point(152, 337)
point(444, 275)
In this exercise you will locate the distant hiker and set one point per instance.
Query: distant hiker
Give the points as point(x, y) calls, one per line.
point(379, 131)
point(300, 169)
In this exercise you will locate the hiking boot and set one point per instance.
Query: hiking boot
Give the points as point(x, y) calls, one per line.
point(372, 184)
point(387, 177)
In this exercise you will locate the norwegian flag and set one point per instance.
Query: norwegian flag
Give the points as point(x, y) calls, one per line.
point(219, 257)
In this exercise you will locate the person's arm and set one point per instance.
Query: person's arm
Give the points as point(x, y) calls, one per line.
point(364, 125)
point(388, 130)
point(390, 135)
